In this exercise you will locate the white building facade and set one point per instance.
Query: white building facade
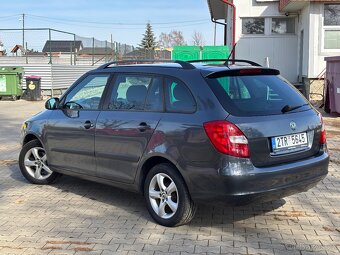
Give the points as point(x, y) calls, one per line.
point(293, 36)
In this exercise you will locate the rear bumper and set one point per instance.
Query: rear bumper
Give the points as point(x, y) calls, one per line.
point(259, 184)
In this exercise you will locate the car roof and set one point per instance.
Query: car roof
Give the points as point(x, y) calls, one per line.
point(138, 65)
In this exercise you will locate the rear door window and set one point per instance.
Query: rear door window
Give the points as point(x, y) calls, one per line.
point(136, 93)
point(256, 95)
point(154, 99)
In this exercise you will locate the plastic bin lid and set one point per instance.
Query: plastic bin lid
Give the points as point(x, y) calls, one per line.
point(36, 77)
point(186, 48)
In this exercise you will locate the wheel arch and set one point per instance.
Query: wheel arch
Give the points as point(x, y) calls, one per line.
point(149, 163)
point(30, 137)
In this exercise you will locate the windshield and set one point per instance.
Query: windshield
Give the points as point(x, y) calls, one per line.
point(257, 95)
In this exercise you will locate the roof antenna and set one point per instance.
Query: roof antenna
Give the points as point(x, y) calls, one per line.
point(232, 50)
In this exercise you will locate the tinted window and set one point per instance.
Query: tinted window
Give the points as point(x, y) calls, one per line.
point(235, 90)
point(253, 26)
point(256, 95)
point(178, 97)
point(87, 94)
point(131, 92)
point(154, 99)
point(332, 22)
point(283, 25)
point(332, 15)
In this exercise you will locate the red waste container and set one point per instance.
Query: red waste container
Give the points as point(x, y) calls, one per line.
point(333, 82)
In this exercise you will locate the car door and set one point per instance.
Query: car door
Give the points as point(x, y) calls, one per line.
point(70, 131)
point(126, 124)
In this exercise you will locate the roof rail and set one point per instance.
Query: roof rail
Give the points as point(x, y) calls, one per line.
point(184, 64)
point(226, 61)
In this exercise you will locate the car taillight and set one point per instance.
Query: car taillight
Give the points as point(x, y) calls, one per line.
point(227, 138)
point(250, 71)
point(323, 131)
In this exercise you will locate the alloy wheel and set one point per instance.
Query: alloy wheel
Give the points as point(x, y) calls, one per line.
point(163, 195)
point(35, 162)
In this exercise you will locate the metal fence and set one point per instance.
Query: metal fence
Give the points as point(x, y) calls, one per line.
point(51, 46)
point(317, 89)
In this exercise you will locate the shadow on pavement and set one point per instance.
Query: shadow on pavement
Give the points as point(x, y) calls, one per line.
point(206, 215)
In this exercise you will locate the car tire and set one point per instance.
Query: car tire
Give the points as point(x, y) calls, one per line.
point(33, 164)
point(167, 197)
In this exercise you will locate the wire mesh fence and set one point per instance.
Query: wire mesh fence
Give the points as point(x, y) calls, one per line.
point(317, 89)
point(46, 45)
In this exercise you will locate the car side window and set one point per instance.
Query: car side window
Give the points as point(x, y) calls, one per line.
point(88, 93)
point(178, 97)
point(136, 93)
point(154, 99)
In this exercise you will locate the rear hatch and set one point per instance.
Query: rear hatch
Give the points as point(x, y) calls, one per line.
point(279, 123)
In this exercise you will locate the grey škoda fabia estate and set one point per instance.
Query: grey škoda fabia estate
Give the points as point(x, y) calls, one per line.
point(180, 133)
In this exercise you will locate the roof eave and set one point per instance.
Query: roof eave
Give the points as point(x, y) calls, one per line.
point(218, 9)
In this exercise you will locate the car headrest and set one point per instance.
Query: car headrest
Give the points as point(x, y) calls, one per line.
point(136, 93)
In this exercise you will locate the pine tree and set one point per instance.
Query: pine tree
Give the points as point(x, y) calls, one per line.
point(149, 40)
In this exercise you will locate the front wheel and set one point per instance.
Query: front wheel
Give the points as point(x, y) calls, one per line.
point(33, 164)
point(167, 197)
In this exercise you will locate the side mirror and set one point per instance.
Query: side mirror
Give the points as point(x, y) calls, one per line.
point(52, 103)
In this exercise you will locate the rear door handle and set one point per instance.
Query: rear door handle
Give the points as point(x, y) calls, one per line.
point(88, 124)
point(143, 126)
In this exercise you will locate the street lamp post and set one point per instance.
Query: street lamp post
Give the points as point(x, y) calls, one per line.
point(23, 30)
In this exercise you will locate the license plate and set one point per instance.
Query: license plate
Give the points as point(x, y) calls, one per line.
point(289, 142)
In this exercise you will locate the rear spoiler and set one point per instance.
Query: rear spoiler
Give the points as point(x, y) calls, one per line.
point(243, 72)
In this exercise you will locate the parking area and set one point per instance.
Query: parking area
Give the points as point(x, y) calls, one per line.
point(75, 216)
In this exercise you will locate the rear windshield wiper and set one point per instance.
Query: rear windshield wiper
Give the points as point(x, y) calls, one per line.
point(288, 108)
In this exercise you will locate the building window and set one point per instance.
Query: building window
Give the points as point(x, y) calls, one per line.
point(253, 26)
point(332, 39)
point(332, 15)
point(332, 26)
point(283, 26)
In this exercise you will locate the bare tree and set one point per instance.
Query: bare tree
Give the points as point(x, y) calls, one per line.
point(175, 37)
point(197, 38)
point(165, 40)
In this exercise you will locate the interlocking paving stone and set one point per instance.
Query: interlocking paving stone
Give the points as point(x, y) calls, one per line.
point(74, 216)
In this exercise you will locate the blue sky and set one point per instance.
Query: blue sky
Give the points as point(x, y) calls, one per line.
point(124, 19)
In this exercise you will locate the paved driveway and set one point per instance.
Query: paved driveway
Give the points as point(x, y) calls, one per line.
point(79, 217)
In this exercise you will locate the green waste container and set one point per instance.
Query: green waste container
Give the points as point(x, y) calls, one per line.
point(215, 52)
point(10, 82)
point(186, 53)
point(33, 88)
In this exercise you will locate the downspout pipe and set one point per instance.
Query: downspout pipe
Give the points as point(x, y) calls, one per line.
point(234, 23)
point(221, 23)
point(218, 22)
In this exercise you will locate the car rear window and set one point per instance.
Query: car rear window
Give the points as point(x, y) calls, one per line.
point(256, 95)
